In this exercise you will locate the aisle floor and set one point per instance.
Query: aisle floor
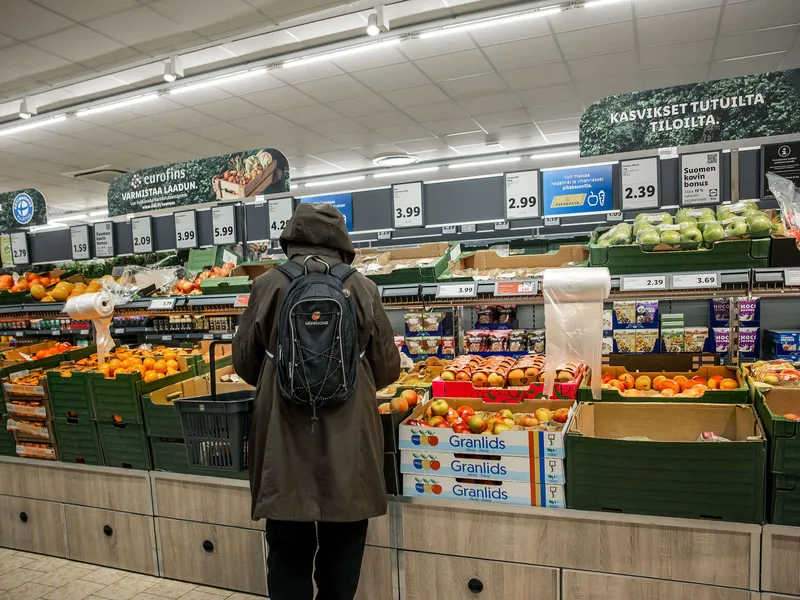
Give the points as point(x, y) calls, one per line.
point(25, 576)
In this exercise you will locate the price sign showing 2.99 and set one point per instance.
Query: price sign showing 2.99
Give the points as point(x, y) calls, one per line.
point(522, 195)
point(142, 230)
point(407, 204)
point(223, 219)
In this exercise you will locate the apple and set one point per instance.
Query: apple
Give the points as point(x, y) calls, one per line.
point(440, 407)
point(759, 225)
point(685, 221)
point(616, 383)
point(496, 380)
point(561, 415)
point(384, 408)
point(713, 233)
point(736, 227)
point(505, 413)
point(410, 396)
point(666, 218)
point(434, 421)
point(461, 428)
point(649, 237)
point(670, 236)
point(451, 416)
point(543, 415)
point(528, 421)
point(448, 376)
point(728, 384)
point(606, 377)
point(500, 427)
point(465, 412)
point(509, 422)
point(476, 424)
point(691, 234)
point(627, 380)
point(642, 383)
point(398, 405)
point(704, 220)
point(658, 381)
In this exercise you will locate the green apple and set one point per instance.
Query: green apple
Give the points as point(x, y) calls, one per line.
point(685, 218)
point(688, 224)
point(713, 232)
point(667, 218)
point(670, 236)
point(707, 211)
point(704, 220)
point(691, 234)
point(759, 225)
point(643, 226)
point(736, 227)
point(750, 205)
point(619, 238)
point(723, 213)
point(649, 237)
point(641, 217)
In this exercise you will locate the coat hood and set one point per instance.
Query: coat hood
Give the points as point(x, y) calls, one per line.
point(317, 228)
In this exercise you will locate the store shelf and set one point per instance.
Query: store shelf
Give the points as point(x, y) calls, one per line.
point(772, 282)
point(130, 330)
point(44, 332)
point(182, 336)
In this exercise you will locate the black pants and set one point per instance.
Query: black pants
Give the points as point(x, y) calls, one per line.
point(339, 549)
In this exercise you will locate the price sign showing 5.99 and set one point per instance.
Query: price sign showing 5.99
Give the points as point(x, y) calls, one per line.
point(223, 219)
point(522, 195)
point(142, 230)
point(407, 204)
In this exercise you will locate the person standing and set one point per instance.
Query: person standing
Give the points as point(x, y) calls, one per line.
point(316, 471)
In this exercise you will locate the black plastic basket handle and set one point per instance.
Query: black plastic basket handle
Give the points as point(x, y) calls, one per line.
point(213, 361)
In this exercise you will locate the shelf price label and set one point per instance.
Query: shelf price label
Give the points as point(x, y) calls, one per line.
point(552, 221)
point(457, 290)
point(407, 204)
point(448, 230)
point(522, 195)
point(79, 239)
point(516, 288)
point(639, 183)
point(19, 248)
point(691, 281)
point(280, 211)
point(162, 303)
point(384, 235)
point(642, 283)
point(104, 240)
point(223, 220)
point(791, 277)
point(241, 301)
point(502, 225)
point(142, 230)
point(469, 228)
point(615, 215)
point(186, 229)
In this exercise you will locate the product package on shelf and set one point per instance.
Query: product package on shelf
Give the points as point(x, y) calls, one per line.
point(422, 264)
point(749, 330)
point(786, 229)
point(782, 344)
point(490, 265)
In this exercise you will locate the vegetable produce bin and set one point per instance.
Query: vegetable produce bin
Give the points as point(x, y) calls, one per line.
point(203, 258)
point(78, 441)
point(784, 252)
point(7, 446)
point(645, 458)
point(125, 445)
point(726, 254)
point(486, 262)
point(783, 434)
point(785, 500)
point(226, 285)
point(169, 454)
point(374, 263)
point(70, 394)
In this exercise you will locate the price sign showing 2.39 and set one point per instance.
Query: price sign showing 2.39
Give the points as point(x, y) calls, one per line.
point(639, 183)
point(407, 204)
point(522, 195)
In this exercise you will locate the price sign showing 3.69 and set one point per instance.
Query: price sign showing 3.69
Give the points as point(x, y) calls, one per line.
point(689, 281)
point(142, 230)
point(407, 204)
point(522, 195)
point(223, 220)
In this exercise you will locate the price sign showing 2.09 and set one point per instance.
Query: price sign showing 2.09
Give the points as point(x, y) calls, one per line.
point(639, 183)
point(142, 230)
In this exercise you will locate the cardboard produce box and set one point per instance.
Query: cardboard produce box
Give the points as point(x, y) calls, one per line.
point(497, 468)
point(783, 433)
point(422, 264)
point(494, 492)
point(645, 458)
point(465, 389)
point(489, 264)
point(544, 444)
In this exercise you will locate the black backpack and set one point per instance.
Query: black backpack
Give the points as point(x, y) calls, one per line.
point(317, 356)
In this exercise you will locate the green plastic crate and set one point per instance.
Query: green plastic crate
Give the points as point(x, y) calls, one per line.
point(630, 258)
point(161, 420)
point(785, 500)
point(783, 434)
point(7, 445)
point(225, 285)
point(12, 297)
point(204, 258)
point(125, 446)
point(169, 454)
point(78, 441)
point(683, 478)
point(70, 395)
point(441, 251)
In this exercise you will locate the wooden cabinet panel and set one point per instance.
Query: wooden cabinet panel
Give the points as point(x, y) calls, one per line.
point(378, 532)
point(101, 487)
point(581, 585)
point(681, 550)
point(113, 539)
point(204, 499)
point(450, 578)
point(213, 555)
point(781, 556)
point(376, 574)
point(32, 525)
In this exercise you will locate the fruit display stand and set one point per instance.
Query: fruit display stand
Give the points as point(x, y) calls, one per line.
point(423, 264)
point(647, 458)
point(482, 263)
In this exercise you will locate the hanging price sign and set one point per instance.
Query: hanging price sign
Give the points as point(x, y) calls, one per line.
point(522, 195)
point(457, 290)
point(280, 211)
point(407, 204)
point(79, 238)
point(104, 240)
point(19, 248)
point(223, 220)
point(639, 183)
point(142, 230)
point(691, 281)
point(186, 229)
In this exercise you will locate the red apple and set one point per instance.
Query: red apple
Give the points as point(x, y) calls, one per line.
point(476, 424)
point(465, 412)
point(398, 404)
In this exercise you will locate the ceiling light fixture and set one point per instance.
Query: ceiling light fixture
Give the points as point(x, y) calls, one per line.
point(33, 125)
point(99, 213)
point(306, 60)
point(395, 159)
point(482, 163)
point(173, 69)
point(114, 105)
point(334, 181)
point(556, 154)
point(377, 23)
point(490, 22)
point(218, 80)
point(404, 172)
point(78, 217)
point(596, 3)
point(27, 108)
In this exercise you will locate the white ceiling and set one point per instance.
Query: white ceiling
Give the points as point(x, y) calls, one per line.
point(526, 83)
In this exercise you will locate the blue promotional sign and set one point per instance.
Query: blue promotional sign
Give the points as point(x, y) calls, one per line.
point(576, 190)
point(342, 202)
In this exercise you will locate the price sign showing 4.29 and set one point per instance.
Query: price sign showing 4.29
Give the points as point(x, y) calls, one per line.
point(522, 195)
point(280, 211)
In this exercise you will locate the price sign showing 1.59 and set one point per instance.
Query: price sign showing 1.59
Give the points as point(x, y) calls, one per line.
point(690, 281)
point(185, 229)
point(407, 204)
point(457, 290)
point(142, 230)
point(223, 220)
point(522, 193)
point(79, 239)
point(641, 283)
point(19, 248)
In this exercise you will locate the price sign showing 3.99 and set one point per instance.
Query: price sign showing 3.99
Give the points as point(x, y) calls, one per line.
point(223, 219)
point(407, 204)
point(185, 229)
point(522, 195)
point(142, 230)
point(639, 183)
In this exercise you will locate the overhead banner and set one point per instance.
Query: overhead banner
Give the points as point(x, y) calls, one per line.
point(228, 177)
point(341, 202)
point(713, 111)
point(22, 208)
point(574, 190)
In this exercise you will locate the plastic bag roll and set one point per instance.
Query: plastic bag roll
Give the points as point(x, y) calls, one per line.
point(573, 316)
point(99, 309)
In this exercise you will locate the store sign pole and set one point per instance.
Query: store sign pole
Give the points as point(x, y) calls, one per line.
point(223, 218)
point(79, 240)
point(142, 231)
point(19, 248)
point(522, 195)
point(700, 178)
point(104, 240)
point(186, 229)
point(639, 183)
point(407, 205)
point(280, 211)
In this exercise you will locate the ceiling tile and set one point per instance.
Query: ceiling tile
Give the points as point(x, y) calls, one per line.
point(319, 146)
point(559, 126)
point(744, 66)
point(336, 127)
point(309, 114)
point(759, 14)
point(423, 145)
point(160, 106)
point(649, 9)
point(328, 89)
point(597, 40)
point(378, 57)
point(221, 131)
point(230, 108)
point(199, 96)
point(285, 137)
point(582, 18)
point(451, 126)
point(594, 89)
point(469, 87)
point(509, 32)
point(603, 65)
point(308, 72)
point(331, 26)
point(549, 95)
point(137, 26)
point(563, 138)
point(143, 127)
point(200, 14)
point(467, 139)
point(249, 85)
point(431, 112)
point(455, 66)
point(673, 76)
point(184, 118)
point(103, 135)
point(539, 76)
point(83, 10)
point(361, 106)
point(523, 53)
point(486, 104)
point(279, 99)
point(24, 20)
point(551, 112)
point(416, 96)
point(25, 59)
point(391, 77)
point(494, 122)
point(791, 60)
point(338, 156)
point(260, 43)
point(678, 27)
point(76, 44)
point(675, 55)
point(756, 42)
point(393, 118)
point(184, 140)
point(264, 124)
point(355, 140)
point(435, 46)
point(405, 133)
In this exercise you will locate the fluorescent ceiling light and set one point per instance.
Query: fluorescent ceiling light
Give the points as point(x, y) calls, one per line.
point(335, 181)
point(556, 154)
point(27, 108)
point(596, 3)
point(114, 105)
point(79, 217)
point(218, 80)
point(33, 125)
point(483, 163)
point(99, 213)
point(305, 60)
point(51, 225)
point(490, 22)
point(405, 172)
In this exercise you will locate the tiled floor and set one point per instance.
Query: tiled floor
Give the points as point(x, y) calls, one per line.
point(25, 576)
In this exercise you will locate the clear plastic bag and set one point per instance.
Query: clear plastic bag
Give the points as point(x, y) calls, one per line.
point(618, 235)
point(788, 197)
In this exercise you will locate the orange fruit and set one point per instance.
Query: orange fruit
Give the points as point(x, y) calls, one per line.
point(104, 368)
point(114, 364)
point(150, 376)
point(160, 366)
point(171, 371)
point(149, 363)
point(172, 364)
point(161, 375)
point(169, 354)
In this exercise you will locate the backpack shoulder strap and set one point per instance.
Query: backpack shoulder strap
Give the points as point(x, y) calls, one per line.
point(342, 271)
point(291, 269)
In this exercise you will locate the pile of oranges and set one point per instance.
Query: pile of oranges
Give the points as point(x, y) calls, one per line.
point(25, 282)
point(59, 348)
point(150, 365)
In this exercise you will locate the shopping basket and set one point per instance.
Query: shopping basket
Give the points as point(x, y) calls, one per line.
point(216, 427)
